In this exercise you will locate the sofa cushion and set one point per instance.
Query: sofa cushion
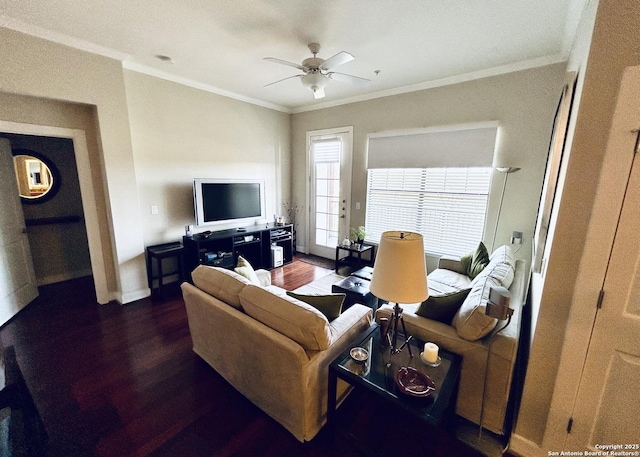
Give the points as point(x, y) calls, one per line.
point(475, 261)
point(328, 304)
point(470, 321)
point(293, 318)
point(442, 282)
point(223, 284)
point(244, 268)
point(501, 267)
point(442, 308)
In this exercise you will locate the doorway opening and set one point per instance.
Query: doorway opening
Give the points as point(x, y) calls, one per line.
point(86, 194)
point(53, 213)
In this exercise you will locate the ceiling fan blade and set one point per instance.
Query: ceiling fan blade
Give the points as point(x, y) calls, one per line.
point(355, 80)
point(284, 62)
point(338, 59)
point(318, 94)
point(280, 80)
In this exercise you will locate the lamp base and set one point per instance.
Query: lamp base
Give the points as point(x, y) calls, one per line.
point(392, 333)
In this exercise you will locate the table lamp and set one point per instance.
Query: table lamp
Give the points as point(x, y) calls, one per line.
point(400, 276)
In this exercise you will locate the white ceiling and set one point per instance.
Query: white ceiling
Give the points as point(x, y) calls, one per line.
point(219, 45)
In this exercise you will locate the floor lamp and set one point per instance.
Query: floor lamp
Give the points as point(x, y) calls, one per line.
point(399, 276)
point(506, 171)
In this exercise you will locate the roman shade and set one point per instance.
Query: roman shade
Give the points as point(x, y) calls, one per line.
point(469, 146)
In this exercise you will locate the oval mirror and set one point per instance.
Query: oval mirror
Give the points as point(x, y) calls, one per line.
point(37, 179)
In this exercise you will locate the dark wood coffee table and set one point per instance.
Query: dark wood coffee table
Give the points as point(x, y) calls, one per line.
point(377, 377)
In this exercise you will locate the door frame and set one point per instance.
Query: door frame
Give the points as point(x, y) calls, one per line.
point(87, 194)
point(348, 157)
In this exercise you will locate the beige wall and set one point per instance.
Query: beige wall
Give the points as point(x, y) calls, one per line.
point(180, 133)
point(39, 68)
point(523, 103)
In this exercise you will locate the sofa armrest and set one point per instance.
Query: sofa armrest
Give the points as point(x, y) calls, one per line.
point(264, 276)
point(451, 263)
point(355, 315)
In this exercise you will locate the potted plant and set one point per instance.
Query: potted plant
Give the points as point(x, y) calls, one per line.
point(358, 234)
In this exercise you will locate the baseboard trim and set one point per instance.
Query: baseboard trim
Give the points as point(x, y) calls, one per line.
point(133, 296)
point(52, 279)
point(523, 447)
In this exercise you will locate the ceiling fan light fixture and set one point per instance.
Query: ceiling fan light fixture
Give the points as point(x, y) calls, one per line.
point(314, 79)
point(315, 82)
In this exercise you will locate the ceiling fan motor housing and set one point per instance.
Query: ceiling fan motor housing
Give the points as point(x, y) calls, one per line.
point(312, 63)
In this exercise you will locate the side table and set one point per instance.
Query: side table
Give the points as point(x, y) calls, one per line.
point(354, 256)
point(159, 252)
point(378, 378)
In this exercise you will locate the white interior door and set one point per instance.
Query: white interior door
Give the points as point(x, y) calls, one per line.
point(17, 278)
point(607, 404)
point(329, 171)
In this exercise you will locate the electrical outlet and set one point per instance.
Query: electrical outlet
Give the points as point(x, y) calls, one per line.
point(154, 209)
point(357, 205)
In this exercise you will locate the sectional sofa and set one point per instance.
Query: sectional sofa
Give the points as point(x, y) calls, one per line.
point(488, 350)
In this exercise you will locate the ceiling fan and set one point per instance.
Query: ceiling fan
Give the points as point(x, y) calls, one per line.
point(317, 71)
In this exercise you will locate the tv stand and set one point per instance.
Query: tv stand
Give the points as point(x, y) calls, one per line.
point(221, 248)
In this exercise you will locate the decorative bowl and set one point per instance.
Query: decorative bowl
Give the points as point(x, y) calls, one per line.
point(414, 383)
point(359, 354)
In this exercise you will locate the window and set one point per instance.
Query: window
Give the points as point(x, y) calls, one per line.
point(446, 205)
point(326, 154)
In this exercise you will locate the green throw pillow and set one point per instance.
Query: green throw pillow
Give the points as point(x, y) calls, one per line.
point(330, 305)
point(442, 308)
point(475, 261)
point(244, 268)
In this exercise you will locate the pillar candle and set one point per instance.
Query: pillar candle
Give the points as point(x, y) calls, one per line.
point(431, 352)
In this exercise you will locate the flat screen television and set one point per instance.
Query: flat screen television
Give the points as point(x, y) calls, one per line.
point(221, 201)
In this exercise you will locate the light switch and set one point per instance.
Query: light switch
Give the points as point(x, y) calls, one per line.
point(154, 209)
point(357, 205)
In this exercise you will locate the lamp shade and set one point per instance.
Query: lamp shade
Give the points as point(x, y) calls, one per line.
point(399, 272)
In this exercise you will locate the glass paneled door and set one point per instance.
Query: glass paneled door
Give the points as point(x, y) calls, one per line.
point(329, 189)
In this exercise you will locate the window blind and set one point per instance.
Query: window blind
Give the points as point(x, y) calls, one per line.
point(446, 205)
point(326, 150)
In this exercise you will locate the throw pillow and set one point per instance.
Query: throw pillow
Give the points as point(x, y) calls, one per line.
point(442, 308)
point(475, 261)
point(330, 305)
point(244, 268)
point(501, 267)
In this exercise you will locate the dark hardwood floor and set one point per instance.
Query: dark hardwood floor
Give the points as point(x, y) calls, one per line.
point(112, 380)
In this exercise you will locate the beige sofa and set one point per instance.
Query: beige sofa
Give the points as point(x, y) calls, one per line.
point(272, 348)
point(463, 335)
